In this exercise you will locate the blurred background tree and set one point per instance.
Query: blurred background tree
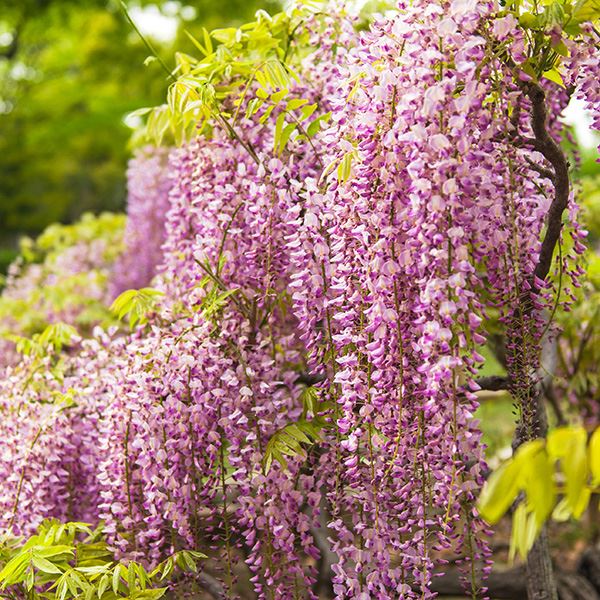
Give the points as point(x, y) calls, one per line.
point(70, 71)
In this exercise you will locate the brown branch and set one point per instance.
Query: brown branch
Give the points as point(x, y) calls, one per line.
point(310, 378)
point(493, 383)
point(212, 586)
point(540, 580)
point(547, 173)
point(552, 152)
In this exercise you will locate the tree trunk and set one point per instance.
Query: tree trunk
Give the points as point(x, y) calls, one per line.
point(526, 390)
point(541, 583)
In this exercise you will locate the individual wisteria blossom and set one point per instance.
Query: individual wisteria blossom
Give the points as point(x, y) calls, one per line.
point(148, 185)
point(342, 281)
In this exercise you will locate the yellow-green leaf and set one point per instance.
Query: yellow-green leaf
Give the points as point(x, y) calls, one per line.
point(568, 444)
point(539, 486)
point(499, 492)
point(586, 10)
point(555, 76)
point(594, 457)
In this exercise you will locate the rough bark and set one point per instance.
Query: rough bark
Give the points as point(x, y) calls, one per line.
point(541, 583)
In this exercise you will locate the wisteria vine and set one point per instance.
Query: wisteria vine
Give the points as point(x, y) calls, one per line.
point(324, 286)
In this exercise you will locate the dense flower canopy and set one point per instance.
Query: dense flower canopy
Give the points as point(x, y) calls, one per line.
point(330, 289)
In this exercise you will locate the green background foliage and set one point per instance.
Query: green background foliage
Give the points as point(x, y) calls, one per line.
point(69, 72)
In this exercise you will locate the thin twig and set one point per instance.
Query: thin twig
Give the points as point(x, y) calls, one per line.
point(147, 42)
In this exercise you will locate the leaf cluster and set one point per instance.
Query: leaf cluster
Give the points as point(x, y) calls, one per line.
point(238, 72)
point(53, 338)
point(547, 25)
point(137, 304)
point(41, 290)
point(561, 467)
point(64, 561)
point(293, 439)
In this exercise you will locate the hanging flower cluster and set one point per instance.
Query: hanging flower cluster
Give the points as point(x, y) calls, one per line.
point(50, 410)
point(306, 384)
point(148, 184)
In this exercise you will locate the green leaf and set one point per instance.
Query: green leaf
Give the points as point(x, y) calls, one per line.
point(344, 169)
point(499, 492)
point(103, 585)
point(528, 21)
point(265, 116)
point(253, 107)
point(154, 594)
point(285, 136)
point(196, 43)
point(594, 457)
point(288, 441)
point(189, 561)
point(89, 592)
point(277, 75)
point(315, 125)
point(56, 550)
point(560, 48)
point(62, 589)
point(562, 511)
point(277, 97)
point(296, 433)
point(309, 398)
point(225, 36)
point(569, 445)
point(297, 103)
point(142, 576)
point(539, 486)
point(279, 124)
point(214, 302)
point(131, 576)
point(207, 41)
point(586, 10)
point(524, 532)
point(307, 112)
point(581, 501)
point(94, 570)
point(140, 112)
point(57, 335)
point(137, 304)
point(14, 570)
point(268, 461)
point(555, 76)
point(116, 578)
point(169, 564)
point(44, 565)
point(29, 579)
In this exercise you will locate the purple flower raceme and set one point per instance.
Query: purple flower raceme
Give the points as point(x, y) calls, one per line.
point(148, 184)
